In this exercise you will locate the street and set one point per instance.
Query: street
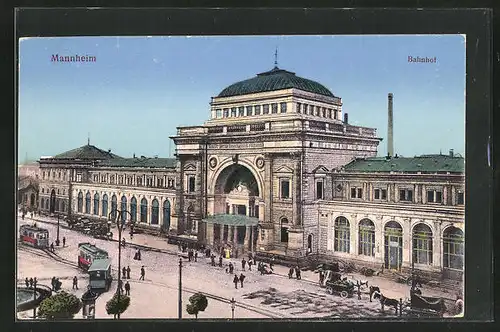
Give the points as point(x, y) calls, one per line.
point(263, 296)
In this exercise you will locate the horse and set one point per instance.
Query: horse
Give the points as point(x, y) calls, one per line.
point(385, 301)
point(373, 289)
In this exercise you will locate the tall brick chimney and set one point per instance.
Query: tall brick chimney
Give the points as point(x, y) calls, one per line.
point(346, 118)
point(390, 137)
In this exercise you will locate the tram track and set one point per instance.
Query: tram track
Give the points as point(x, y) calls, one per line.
point(45, 253)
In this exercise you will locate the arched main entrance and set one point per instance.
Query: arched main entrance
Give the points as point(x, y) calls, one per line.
point(393, 243)
point(235, 211)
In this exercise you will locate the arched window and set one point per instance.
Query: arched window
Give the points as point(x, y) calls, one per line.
point(284, 230)
point(133, 209)
point(124, 208)
point(453, 248)
point(47, 204)
point(104, 205)
point(80, 202)
point(393, 245)
point(166, 215)
point(64, 206)
point(87, 203)
point(96, 204)
point(422, 244)
point(144, 210)
point(366, 245)
point(155, 212)
point(114, 206)
point(41, 202)
point(342, 235)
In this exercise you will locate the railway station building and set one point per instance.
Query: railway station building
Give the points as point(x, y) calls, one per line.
point(278, 170)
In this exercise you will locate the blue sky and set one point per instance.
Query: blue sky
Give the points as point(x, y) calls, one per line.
point(140, 89)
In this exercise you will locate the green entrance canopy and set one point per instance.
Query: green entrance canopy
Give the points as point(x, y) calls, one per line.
point(232, 220)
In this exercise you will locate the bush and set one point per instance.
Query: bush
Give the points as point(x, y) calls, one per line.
point(198, 302)
point(60, 306)
point(115, 308)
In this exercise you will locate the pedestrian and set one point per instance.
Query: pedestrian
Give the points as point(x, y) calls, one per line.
point(120, 285)
point(220, 261)
point(124, 272)
point(250, 265)
point(31, 213)
point(127, 288)
point(143, 273)
point(271, 264)
point(297, 272)
point(235, 280)
point(242, 277)
point(231, 268)
point(22, 216)
point(290, 273)
point(123, 242)
point(179, 246)
point(52, 282)
point(35, 282)
point(75, 282)
point(138, 254)
point(131, 234)
point(64, 241)
point(31, 282)
point(212, 259)
point(27, 282)
point(243, 263)
point(196, 256)
point(128, 272)
point(190, 253)
point(321, 277)
point(52, 247)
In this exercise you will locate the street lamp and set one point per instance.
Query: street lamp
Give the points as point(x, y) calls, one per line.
point(34, 299)
point(233, 305)
point(118, 215)
point(57, 240)
point(180, 288)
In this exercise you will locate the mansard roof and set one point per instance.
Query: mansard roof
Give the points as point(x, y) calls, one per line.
point(140, 162)
point(87, 152)
point(425, 163)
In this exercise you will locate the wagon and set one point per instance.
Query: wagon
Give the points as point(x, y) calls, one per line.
point(341, 287)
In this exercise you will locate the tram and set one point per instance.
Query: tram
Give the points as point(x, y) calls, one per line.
point(34, 236)
point(87, 253)
point(100, 277)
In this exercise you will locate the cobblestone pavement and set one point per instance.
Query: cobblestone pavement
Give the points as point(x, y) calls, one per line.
point(308, 299)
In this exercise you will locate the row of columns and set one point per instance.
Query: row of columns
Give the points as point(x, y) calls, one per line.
point(250, 233)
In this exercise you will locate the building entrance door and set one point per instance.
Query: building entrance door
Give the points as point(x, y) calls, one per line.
point(393, 244)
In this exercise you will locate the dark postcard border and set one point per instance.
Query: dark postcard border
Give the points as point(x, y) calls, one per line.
point(476, 24)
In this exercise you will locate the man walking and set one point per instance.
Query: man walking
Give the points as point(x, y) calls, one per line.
point(127, 288)
point(52, 247)
point(196, 256)
point(297, 272)
point(124, 272)
point(220, 261)
point(243, 263)
point(31, 282)
point(27, 282)
point(249, 265)
point(290, 273)
point(242, 277)
point(212, 259)
point(75, 283)
point(52, 282)
point(235, 280)
point(143, 273)
point(128, 272)
point(64, 241)
point(120, 285)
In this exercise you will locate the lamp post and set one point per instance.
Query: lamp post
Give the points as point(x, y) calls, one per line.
point(57, 240)
point(34, 299)
point(118, 216)
point(233, 305)
point(180, 288)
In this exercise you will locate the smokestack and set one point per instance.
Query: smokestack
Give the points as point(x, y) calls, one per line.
point(346, 118)
point(451, 153)
point(390, 139)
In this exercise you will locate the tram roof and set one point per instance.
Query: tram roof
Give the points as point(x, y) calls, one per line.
point(90, 247)
point(232, 220)
point(100, 264)
point(34, 228)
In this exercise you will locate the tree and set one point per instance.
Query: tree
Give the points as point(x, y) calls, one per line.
point(115, 307)
point(60, 306)
point(198, 302)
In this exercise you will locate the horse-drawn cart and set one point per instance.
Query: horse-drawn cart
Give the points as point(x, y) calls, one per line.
point(341, 287)
point(423, 306)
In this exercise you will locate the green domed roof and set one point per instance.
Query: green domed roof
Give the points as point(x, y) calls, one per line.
point(275, 79)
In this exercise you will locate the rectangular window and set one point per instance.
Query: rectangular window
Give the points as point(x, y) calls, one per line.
point(377, 194)
point(283, 107)
point(139, 181)
point(329, 113)
point(311, 110)
point(299, 107)
point(274, 108)
point(249, 111)
point(218, 113)
point(241, 111)
point(335, 114)
point(78, 177)
point(383, 193)
point(191, 184)
point(460, 198)
point(356, 192)
point(439, 197)
point(434, 196)
point(226, 112)
point(319, 189)
point(305, 109)
point(285, 188)
point(353, 192)
point(323, 112)
point(360, 193)
point(265, 109)
point(257, 109)
point(406, 195)
point(318, 111)
point(233, 112)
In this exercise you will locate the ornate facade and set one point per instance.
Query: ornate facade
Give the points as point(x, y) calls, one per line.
point(279, 169)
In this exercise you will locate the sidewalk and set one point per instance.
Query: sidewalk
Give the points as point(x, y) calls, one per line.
point(152, 243)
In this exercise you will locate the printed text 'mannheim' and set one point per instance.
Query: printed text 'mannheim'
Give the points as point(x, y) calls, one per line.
point(73, 58)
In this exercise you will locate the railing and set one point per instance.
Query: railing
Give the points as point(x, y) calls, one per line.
point(317, 125)
point(215, 130)
point(258, 127)
point(236, 129)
